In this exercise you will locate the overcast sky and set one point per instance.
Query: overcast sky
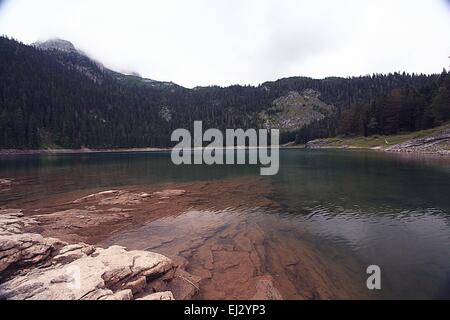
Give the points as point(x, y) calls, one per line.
point(224, 42)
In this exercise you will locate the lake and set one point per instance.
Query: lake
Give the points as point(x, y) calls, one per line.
point(314, 228)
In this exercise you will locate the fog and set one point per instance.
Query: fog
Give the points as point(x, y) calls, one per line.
point(204, 42)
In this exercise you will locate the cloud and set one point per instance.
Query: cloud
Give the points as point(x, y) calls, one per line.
point(202, 42)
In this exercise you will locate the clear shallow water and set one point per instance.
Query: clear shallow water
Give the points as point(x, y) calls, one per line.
point(389, 210)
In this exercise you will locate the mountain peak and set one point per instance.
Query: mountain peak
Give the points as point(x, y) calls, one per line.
point(84, 66)
point(56, 44)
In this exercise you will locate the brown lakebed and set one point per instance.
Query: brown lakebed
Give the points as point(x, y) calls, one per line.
point(228, 233)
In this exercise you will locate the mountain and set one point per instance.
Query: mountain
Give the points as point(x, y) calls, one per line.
point(69, 55)
point(53, 95)
point(57, 44)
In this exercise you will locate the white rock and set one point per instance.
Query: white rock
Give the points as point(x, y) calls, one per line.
point(167, 295)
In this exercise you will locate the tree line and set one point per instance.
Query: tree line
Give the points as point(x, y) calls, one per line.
point(59, 99)
point(404, 109)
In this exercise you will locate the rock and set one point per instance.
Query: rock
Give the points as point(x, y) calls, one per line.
point(167, 295)
point(98, 275)
point(25, 250)
point(5, 184)
point(121, 295)
point(71, 253)
point(317, 144)
point(13, 221)
point(184, 286)
point(295, 110)
point(137, 286)
point(205, 255)
point(39, 268)
point(265, 289)
point(56, 44)
point(74, 220)
point(115, 197)
point(166, 194)
point(180, 262)
point(438, 143)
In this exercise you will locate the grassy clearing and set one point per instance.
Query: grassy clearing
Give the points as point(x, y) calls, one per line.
point(379, 141)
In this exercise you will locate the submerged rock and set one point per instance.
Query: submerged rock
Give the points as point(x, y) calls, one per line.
point(5, 184)
point(166, 194)
point(265, 289)
point(13, 221)
point(115, 197)
point(5, 181)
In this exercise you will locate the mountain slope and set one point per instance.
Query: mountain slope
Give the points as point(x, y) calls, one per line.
point(296, 110)
point(68, 54)
point(61, 98)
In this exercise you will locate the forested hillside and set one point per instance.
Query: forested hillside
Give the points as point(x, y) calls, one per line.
point(52, 98)
point(404, 109)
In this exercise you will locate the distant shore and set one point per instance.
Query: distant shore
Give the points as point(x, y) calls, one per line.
point(14, 152)
point(5, 152)
point(319, 144)
point(431, 141)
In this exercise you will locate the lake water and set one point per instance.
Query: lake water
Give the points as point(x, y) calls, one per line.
point(352, 208)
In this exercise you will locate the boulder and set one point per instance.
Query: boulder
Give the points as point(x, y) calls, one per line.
point(38, 268)
point(19, 251)
point(89, 275)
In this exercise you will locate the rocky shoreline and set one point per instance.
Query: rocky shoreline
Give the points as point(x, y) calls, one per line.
point(41, 255)
point(196, 240)
point(36, 267)
point(437, 143)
